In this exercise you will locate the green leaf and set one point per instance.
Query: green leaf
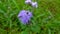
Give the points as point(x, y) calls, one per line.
point(24, 32)
point(35, 28)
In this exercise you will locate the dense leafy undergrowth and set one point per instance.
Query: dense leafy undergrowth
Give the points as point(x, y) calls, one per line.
point(46, 18)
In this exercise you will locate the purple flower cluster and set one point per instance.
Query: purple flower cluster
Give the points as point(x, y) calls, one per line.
point(24, 16)
point(33, 4)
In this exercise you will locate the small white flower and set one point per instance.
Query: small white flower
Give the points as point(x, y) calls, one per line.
point(34, 4)
point(28, 1)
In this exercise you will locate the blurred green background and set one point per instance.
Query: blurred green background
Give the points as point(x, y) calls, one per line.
point(46, 18)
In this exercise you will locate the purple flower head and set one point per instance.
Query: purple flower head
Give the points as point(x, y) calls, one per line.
point(34, 4)
point(28, 1)
point(24, 16)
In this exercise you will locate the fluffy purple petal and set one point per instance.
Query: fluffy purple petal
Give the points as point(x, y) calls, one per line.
point(24, 16)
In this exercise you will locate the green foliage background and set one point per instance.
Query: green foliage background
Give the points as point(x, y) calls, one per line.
point(46, 18)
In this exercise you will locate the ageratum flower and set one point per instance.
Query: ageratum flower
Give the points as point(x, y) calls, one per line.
point(28, 1)
point(34, 4)
point(24, 16)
